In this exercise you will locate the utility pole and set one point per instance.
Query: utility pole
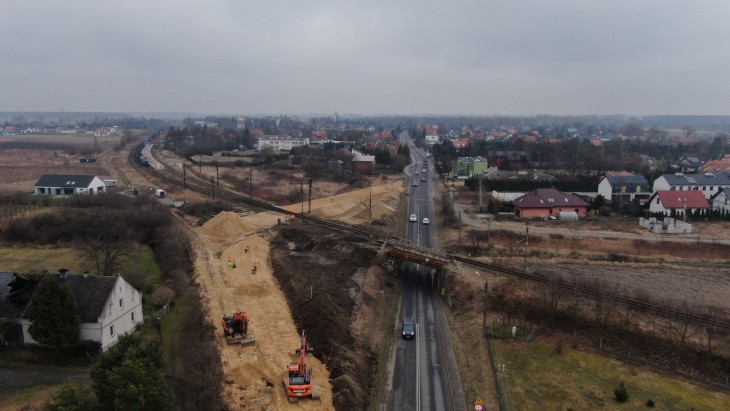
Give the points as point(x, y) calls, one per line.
point(480, 193)
point(217, 179)
point(250, 181)
point(371, 206)
point(184, 177)
point(460, 226)
point(301, 192)
point(212, 185)
point(527, 241)
point(310, 197)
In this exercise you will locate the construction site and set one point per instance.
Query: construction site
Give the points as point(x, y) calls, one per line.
point(281, 310)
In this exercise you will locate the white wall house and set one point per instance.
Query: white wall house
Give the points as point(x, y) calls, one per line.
point(108, 307)
point(69, 184)
point(629, 187)
point(709, 183)
point(721, 201)
point(282, 143)
point(679, 202)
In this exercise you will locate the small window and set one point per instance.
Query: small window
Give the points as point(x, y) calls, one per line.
point(121, 303)
point(111, 330)
point(132, 316)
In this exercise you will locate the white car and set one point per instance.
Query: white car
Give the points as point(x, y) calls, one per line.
point(413, 218)
point(425, 221)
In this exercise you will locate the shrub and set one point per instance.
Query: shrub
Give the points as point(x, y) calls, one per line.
point(162, 296)
point(650, 403)
point(621, 394)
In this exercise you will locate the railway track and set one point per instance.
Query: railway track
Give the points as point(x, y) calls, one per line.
point(176, 177)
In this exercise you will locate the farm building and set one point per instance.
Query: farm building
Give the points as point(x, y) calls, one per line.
point(548, 202)
point(108, 306)
point(363, 163)
point(69, 184)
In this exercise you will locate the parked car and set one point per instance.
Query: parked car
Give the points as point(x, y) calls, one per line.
point(413, 218)
point(409, 328)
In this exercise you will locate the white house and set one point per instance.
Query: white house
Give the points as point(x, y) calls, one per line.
point(630, 187)
point(431, 139)
point(69, 184)
point(708, 183)
point(282, 143)
point(679, 202)
point(108, 306)
point(721, 201)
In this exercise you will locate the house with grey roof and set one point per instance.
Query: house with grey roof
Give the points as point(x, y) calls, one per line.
point(108, 306)
point(721, 201)
point(625, 188)
point(69, 184)
point(709, 183)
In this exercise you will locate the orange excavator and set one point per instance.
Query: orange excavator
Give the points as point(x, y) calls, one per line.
point(299, 382)
point(235, 328)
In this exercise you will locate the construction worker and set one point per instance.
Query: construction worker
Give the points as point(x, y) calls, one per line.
point(245, 248)
point(230, 261)
point(233, 263)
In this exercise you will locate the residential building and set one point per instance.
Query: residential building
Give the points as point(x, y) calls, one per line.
point(470, 166)
point(721, 201)
point(625, 188)
point(108, 306)
point(548, 202)
point(708, 183)
point(69, 184)
point(678, 202)
point(281, 143)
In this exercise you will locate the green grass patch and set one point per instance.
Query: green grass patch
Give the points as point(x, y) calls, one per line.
point(536, 377)
point(35, 260)
point(172, 331)
point(25, 398)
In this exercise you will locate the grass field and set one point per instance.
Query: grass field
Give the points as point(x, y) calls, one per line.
point(586, 381)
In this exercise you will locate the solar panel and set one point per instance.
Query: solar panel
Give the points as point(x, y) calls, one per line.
point(691, 179)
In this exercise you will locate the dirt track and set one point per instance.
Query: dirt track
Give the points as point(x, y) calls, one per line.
point(253, 374)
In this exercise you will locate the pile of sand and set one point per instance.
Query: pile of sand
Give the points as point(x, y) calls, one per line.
point(226, 224)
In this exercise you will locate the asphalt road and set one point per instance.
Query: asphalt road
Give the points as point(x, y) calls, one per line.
point(424, 373)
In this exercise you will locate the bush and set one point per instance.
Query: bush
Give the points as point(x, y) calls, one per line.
point(621, 394)
point(162, 296)
point(650, 403)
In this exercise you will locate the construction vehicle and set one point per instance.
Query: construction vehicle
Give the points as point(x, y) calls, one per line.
point(299, 382)
point(235, 329)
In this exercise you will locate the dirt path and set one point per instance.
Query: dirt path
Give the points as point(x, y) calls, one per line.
point(254, 374)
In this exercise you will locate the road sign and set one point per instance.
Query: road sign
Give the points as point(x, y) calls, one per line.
point(478, 404)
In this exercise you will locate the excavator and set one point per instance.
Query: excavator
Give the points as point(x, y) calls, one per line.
point(235, 329)
point(299, 382)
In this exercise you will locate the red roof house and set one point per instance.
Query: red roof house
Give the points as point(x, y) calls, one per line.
point(548, 202)
point(679, 201)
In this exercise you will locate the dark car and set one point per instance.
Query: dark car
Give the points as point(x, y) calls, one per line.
point(409, 328)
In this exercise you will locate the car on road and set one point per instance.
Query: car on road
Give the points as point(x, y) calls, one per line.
point(415, 184)
point(424, 170)
point(423, 179)
point(416, 173)
point(425, 221)
point(409, 328)
point(413, 218)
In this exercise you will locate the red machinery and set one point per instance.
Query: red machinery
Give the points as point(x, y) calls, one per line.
point(235, 328)
point(299, 382)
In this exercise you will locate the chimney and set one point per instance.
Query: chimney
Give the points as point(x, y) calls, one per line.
point(63, 273)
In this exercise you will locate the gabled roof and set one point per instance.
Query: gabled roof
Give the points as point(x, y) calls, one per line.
point(682, 199)
point(90, 293)
point(697, 179)
point(549, 197)
point(635, 180)
point(64, 180)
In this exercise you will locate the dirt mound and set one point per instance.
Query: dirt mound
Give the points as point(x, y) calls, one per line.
point(226, 224)
point(321, 273)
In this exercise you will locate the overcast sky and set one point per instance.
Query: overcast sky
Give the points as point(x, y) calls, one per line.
point(520, 57)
